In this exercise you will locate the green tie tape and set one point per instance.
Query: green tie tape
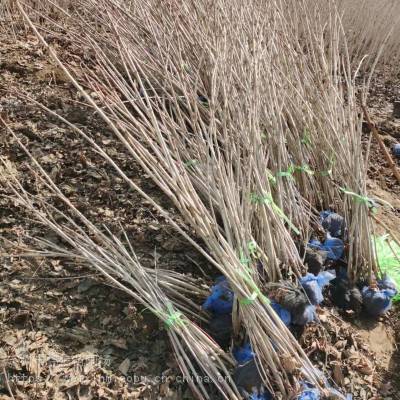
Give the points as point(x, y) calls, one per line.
point(172, 318)
point(252, 247)
point(256, 290)
point(271, 177)
point(306, 139)
point(267, 199)
point(191, 163)
point(243, 259)
point(329, 171)
point(360, 199)
point(295, 168)
point(286, 174)
point(304, 168)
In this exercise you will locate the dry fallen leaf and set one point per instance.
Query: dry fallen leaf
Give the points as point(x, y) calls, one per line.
point(124, 366)
point(338, 374)
point(120, 343)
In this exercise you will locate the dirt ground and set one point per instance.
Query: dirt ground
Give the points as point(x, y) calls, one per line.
point(64, 332)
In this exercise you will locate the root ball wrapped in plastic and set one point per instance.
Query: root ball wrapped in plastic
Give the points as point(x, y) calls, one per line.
point(396, 150)
point(248, 379)
point(313, 285)
point(333, 223)
point(315, 260)
point(220, 329)
point(378, 300)
point(284, 314)
point(243, 354)
point(293, 299)
point(334, 247)
point(220, 301)
point(346, 296)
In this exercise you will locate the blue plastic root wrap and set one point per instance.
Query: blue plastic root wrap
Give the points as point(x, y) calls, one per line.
point(249, 382)
point(389, 284)
point(332, 223)
point(396, 150)
point(260, 395)
point(304, 315)
point(333, 246)
point(314, 394)
point(313, 285)
point(379, 300)
point(243, 354)
point(309, 392)
point(284, 314)
point(220, 301)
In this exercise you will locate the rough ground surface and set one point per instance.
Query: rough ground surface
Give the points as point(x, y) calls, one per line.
point(66, 334)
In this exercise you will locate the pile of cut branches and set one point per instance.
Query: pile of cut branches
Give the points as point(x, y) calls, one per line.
point(245, 115)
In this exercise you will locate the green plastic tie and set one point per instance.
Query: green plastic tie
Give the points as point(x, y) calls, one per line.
point(271, 178)
point(250, 300)
point(173, 318)
point(295, 168)
point(304, 168)
point(360, 199)
point(191, 163)
point(326, 173)
point(286, 174)
point(306, 139)
point(252, 247)
point(243, 259)
point(256, 290)
point(267, 199)
point(264, 136)
point(329, 171)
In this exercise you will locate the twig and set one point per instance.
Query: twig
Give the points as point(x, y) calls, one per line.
point(8, 384)
point(384, 150)
point(390, 231)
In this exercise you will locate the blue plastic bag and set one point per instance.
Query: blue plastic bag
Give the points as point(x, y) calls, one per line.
point(220, 301)
point(305, 315)
point(315, 244)
point(309, 394)
point(325, 214)
point(284, 314)
point(243, 354)
point(389, 284)
point(313, 285)
point(314, 394)
point(333, 246)
point(332, 223)
point(261, 396)
point(396, 150)
point(377, 301)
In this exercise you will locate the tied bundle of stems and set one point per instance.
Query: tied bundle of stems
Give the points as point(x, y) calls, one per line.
point(164, 293)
